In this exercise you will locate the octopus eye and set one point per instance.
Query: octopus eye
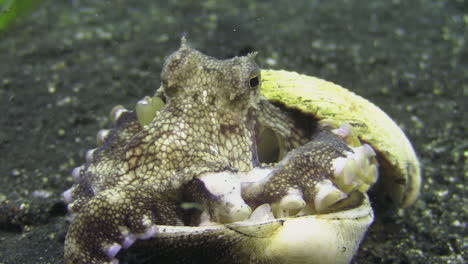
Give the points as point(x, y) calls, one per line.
point(254, 82)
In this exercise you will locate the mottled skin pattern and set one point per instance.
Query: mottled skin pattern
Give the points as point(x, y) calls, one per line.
point(210, 123)
point(304, 167)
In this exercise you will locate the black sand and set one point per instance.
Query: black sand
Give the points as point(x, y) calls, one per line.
point(66, 65)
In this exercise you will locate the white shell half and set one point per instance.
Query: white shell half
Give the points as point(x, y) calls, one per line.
point(324, 238)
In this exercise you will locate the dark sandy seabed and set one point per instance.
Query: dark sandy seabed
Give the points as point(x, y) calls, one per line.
point(66, 65)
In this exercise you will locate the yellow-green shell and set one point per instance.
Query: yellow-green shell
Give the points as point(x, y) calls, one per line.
point(335, 105)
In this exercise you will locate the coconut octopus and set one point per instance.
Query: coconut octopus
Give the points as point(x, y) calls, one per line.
point(224, 165)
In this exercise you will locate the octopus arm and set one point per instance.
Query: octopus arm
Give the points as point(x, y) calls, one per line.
point(313, 178)
point(115, 219)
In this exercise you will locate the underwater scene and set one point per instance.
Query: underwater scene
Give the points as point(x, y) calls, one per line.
point(233, 131)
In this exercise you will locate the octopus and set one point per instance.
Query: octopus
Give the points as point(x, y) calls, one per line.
point(210, 170)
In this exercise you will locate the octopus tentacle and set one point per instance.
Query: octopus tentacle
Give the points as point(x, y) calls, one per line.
point(115, 219)
point(317, 175)
point(220, 196)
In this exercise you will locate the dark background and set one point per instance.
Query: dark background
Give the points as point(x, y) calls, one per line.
point(65, 66)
